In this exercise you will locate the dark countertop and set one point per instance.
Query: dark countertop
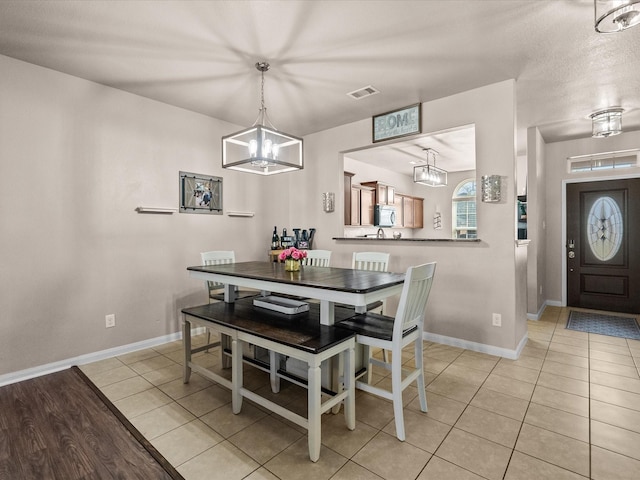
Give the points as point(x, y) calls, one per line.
point(368, 239)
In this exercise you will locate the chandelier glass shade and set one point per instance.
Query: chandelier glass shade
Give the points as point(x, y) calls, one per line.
point(616, 15)
point(429, 174)
point(606, 123)
point(261, 148)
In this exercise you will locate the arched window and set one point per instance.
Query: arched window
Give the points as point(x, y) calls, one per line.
point(464, 210)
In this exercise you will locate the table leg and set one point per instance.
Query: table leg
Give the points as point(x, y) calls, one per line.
point(236, 375)
point(327, 312)
point(274, 363)
point(314, 414)
point(225, 344)
point(350, 387)
point(186, 341)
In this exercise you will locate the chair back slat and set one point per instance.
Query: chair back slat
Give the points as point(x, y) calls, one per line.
point(374, 261)
point(413, 299)
point(317, 258)
point(217, 257)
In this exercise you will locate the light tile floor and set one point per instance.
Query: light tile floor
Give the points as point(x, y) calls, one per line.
point(568, 408)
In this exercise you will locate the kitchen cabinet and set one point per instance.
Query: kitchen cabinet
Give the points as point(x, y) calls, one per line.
point(398, 202)
point(407, 212)
point(348, 176)
point(362, 203)
point(410, 211)
point(418, 212)
point(384, 193)
point(367, 203)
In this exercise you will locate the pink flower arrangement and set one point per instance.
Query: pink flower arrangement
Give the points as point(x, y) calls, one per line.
point(292, 254)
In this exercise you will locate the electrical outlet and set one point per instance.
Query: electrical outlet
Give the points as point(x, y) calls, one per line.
point(497, 320)
point(540, 289)
point(110, 320)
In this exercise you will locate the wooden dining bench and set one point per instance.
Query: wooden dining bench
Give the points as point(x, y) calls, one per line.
point(299, 336)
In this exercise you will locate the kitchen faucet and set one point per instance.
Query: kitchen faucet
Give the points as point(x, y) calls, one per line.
point(380, 233)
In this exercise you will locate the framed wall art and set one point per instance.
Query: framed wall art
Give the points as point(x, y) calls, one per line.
point(398, 123)
point(200, 193)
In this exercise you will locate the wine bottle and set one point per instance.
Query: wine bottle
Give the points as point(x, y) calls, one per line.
point(282, 239)
point(275, 239)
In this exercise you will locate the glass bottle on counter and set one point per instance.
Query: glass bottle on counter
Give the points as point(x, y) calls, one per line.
point(275, 239)
point(282, 238)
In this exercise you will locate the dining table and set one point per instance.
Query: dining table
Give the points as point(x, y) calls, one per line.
point(328, 285)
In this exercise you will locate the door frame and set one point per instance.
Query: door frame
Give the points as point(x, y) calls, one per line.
point(564, 219)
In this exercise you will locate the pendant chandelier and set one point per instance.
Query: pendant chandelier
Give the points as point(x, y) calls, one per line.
point(261, 148)
point(429, 174)
point(606, 123)
point(616, 15)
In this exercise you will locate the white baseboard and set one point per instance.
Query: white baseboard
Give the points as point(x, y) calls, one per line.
point(28, 373)
point(538, 314)
point(477, 347)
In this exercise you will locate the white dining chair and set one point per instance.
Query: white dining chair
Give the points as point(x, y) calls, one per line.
point(317, 258)
point(215, 289)
point(375, 261)
point(374, 330)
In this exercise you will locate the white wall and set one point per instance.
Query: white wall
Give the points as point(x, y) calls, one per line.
point(472, 280)
point(555, 174)
point(536, 222)
point(76, 159)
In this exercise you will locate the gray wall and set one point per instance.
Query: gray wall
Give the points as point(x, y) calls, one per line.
point(77, 158)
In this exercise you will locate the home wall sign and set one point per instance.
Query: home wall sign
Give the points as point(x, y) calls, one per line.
point(398, 123)
point(200, 193)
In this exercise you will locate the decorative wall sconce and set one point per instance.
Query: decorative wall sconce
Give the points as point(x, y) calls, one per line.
point(437, 221)
point(328, 202)
point(491, 188)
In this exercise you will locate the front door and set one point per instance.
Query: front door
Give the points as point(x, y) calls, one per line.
point(603, 253)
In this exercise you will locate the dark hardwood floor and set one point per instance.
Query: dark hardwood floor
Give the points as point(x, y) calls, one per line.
point(57, 427)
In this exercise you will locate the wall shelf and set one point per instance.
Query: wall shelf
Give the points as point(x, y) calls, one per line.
point(240, 214)
point(164, 210)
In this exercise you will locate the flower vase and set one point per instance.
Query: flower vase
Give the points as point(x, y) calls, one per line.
point(292, 265)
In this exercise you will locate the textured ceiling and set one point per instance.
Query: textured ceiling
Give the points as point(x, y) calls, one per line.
point(200, 55)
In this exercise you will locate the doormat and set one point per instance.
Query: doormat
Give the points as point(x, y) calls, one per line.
point(601, 324)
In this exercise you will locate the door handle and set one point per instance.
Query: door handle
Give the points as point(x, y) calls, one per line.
point(571, 244)
point(572, 254)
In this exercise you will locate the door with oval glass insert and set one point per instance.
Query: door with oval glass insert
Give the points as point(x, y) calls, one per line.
point(603, 253)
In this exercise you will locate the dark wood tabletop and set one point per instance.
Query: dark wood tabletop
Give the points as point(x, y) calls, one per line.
point(328, 278)
point(302, 331)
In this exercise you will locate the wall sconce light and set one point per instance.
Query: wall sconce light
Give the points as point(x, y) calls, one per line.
point(613, 16)
point(437, 221)
point(606, 123)
point(328, 202)
point(491, 188)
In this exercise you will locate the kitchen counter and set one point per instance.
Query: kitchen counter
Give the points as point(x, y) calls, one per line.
point(423, 240)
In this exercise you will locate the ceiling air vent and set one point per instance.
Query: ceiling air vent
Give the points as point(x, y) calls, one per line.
point(363, 92)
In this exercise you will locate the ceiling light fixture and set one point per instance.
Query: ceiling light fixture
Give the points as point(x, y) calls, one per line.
point(616, 15)
point(261, 148)
point(429, 174)
point(606, 123)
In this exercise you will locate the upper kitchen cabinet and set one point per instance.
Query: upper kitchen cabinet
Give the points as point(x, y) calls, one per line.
point(359, 204)
point(385, 194)
point(412, 212)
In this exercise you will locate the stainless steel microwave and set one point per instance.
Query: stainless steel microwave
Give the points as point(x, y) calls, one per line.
point(384, 216)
